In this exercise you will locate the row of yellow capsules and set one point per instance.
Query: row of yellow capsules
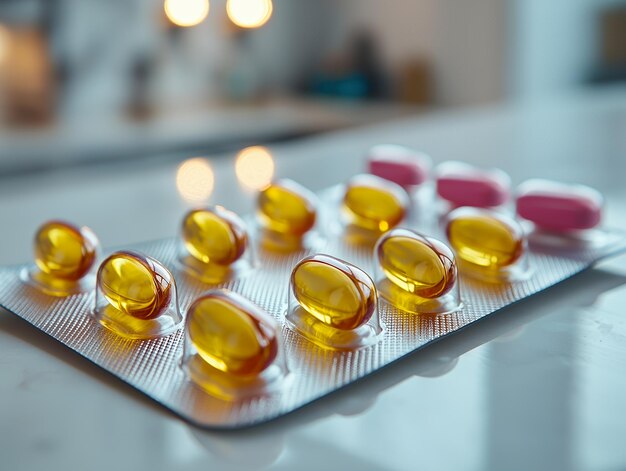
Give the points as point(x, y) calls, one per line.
point(331, 302)
point(230, 342)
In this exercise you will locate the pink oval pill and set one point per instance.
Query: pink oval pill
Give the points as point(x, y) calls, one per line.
point(465, 185)
point(559, 206)
point(398, 164)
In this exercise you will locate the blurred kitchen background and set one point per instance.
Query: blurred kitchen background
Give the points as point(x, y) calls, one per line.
point(89, 80)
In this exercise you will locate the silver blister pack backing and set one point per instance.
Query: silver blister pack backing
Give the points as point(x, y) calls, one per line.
point(153, 366)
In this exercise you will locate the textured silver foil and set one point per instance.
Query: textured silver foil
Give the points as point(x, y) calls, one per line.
point(153, 366)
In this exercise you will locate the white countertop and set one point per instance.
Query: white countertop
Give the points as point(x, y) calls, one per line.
point(217, 125)
point(538, 386)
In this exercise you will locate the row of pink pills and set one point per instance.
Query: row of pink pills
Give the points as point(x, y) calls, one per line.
point(549, 205)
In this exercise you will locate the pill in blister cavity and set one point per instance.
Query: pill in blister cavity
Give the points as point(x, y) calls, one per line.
point(214, 235)
point(65, 251)
point(232, 334)
point(420, 265)
point(286, 207)
point(416, 273)
point(333, 304)
point(398, 164)
point(136, 296)
point(485, 238)
point(465, 185)
point(214, 244)
point(135, 285)
point(374, 204)
point(64, 255)
point(335, 292)
point(558, 206)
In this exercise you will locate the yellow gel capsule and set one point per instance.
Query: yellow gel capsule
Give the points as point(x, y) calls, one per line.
point(419, 265)
point(333, 291)
point(65, 251)
point(373, 203)
point(135, 284)
point(214, 235)
point(286, 207)
point(485, 238)
point(232, 334)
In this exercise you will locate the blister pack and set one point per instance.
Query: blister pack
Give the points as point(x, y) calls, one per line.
point(234, 323)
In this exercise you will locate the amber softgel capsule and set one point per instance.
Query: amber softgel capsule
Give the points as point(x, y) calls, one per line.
point(335, 292)
point(214, 235)
point(65, 251)
point(485, 239)
point(64, 255)
point(419, 265)
point(231, 334)
point(136, 296)
point(135, 285)
point(286, 207)
point(374, 204)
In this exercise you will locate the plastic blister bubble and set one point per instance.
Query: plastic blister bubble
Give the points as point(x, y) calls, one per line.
point(214, 245)
point(332, 303)
point(136, 296)
point(416, 273)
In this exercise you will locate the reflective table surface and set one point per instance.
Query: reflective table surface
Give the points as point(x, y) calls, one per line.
point(540, 385)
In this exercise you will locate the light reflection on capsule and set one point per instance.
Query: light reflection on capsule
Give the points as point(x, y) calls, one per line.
point(485, 238)
point(374, 204)
point(286, 207)
point(135, 285)
point(65, 251)
point(335, 292)
point(214, 235)
point(232, 334)
point(417, 264)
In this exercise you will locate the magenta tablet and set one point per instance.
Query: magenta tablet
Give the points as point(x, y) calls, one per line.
point(559, 206)
point(398, 164)
point(465, 185)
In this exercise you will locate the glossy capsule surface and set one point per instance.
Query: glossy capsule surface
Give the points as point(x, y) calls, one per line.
point(485, 238)
point(286, 207)
point(333, 291)
point(373, 203)
point(231, 333)
point(214, 235)
point(417, 264)
point(65, 251)
point(136, 285)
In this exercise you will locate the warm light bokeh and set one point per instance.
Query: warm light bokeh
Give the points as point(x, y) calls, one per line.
point(249, 13)
point(186, 12)
point(5, 43)
point(195, 180)
point(254, 167)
